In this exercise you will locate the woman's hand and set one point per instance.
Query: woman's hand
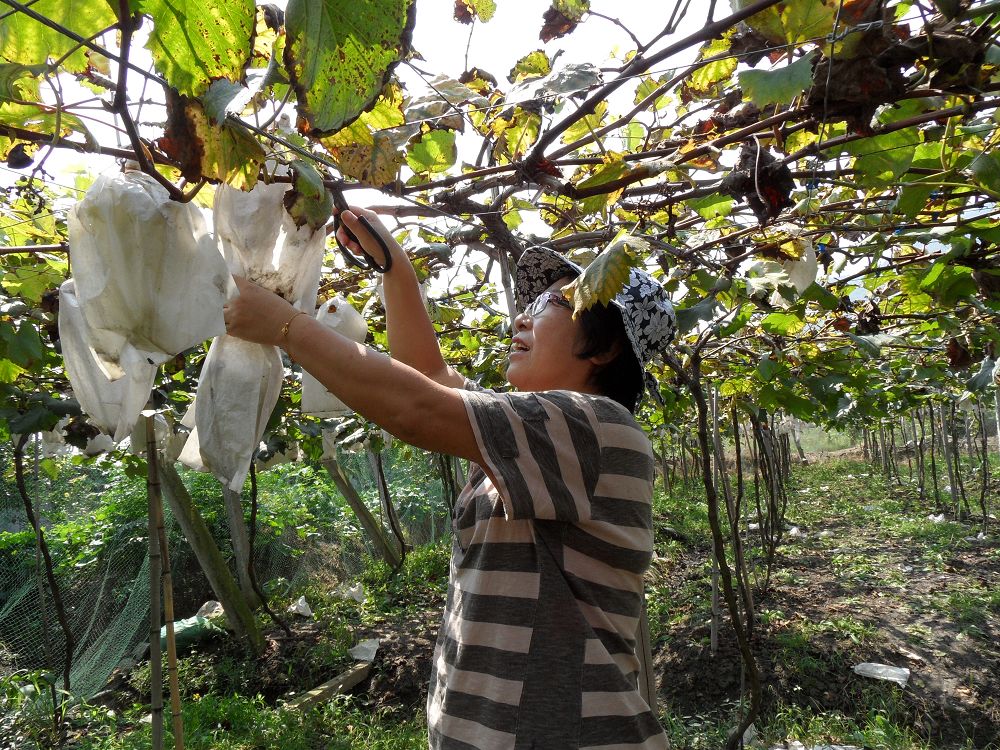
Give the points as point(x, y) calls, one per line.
point(257, 314)
point(350, 219)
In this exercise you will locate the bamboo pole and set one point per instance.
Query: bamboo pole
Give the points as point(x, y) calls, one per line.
point(176, 719)
point(155, 570)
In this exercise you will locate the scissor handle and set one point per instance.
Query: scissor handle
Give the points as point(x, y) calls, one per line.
point(369, 263)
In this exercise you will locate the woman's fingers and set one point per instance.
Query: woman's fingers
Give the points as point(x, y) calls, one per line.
point(367, 241)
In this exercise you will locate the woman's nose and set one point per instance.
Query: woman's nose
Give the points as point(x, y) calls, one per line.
point(521, 321)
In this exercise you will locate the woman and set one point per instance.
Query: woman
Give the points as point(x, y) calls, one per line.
point(553, 531)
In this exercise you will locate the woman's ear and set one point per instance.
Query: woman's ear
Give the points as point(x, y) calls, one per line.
point(606, 358)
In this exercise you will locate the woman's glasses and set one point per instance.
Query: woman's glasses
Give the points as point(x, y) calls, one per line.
point(538, 304)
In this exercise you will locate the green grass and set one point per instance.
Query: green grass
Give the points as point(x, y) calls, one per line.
point(879, 725)
point(214, 722)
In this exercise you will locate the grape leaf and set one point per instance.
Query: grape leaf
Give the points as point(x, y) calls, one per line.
point(11, 86)
point(793, 20)
point(782, 324)
point(26, 41)
point(533, 65)
point(777, 86)
point(194, 42)
point(606, 275)
point(562, 18)
point(217, 153)
point(468, 10)
point(308, 202)
point(371, 149)
point(432, 152)
point(339, 55)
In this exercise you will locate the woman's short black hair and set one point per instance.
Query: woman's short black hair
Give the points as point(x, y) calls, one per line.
point(602, 331)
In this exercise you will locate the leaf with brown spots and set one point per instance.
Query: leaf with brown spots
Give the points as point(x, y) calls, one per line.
point(339, 56)
point(204, 151)
point(562, 18)
point(194, 42)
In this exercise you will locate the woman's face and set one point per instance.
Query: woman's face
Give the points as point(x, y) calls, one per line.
point(542, 350)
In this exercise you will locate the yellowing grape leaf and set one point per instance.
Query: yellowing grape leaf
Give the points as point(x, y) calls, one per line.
point(372, 148)
point(533, 65)
point(217, 153)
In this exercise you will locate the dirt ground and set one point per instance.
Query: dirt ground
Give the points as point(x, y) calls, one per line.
point(954, 690)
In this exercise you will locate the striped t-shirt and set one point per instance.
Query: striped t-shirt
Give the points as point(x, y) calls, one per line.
point(537, 645)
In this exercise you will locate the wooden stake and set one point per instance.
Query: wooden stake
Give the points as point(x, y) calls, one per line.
point(177, 720)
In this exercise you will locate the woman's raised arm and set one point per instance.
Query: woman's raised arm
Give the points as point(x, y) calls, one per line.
point(411, 335)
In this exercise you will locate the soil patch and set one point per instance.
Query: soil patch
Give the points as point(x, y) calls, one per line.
point(831, 610)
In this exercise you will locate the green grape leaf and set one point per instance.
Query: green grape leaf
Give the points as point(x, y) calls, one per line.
point(870, 346)
point(26, 41)
point(194, 42)
point(11, 75)
point(702, 311)
point(308, 202)
point(913, 198)
point(223, 97)
point(23, 345)
point(433, 152)
point(777, 86)
point(986, 169)
point(606, 275)
point(819, 294)
point(339, 55)
point(768, 367)
point(984, 378)
point(782, 324)
point(533, 65)
point(711, 206)
point(883, 159)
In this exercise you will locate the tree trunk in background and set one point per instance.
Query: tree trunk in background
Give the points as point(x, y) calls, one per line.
point(915, 417)
point(241, 544)
point(386, 549)
point(984, 457)
point(238, 612)
point(378, 472)
point(956, 459)
point(946, 451)
point(934, 473)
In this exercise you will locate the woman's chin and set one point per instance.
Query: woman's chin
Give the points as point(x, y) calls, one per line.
point(515, 373)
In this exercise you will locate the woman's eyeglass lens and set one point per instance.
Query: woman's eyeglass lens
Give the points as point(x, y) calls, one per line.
point(535, 308)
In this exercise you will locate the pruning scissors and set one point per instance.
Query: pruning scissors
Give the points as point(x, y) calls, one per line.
point(369, 263)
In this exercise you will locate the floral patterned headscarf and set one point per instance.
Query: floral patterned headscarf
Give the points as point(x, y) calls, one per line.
point(649, 318)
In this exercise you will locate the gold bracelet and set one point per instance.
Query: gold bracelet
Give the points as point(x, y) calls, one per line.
point(284, 328)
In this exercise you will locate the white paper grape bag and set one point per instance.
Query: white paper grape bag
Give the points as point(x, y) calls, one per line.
point(339, 315)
